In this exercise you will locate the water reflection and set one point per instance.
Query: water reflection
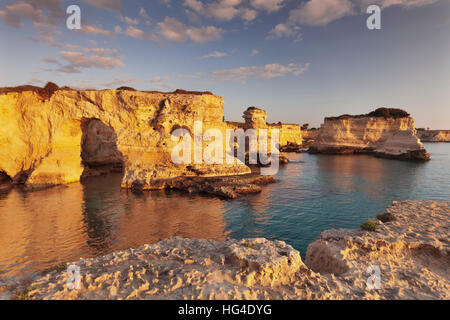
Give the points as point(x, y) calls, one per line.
point(366, 174)
point(313, 193)
point(95, 217)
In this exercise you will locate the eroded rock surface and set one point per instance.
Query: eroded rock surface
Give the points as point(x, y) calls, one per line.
point(434, 135)
point(412, 252)
point(391, 137)
point(255, 118)
point(45, 133)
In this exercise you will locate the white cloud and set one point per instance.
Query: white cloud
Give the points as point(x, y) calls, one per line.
point(248, 14)
point(144, 15)
point(215, 54)
point(45, 15)
point(267, 5)
point(363, 4)
point(129, 20)
point(166, 2)
point(114, 5)
point(268, 71)
point(77, 60)
point(139, 34)
point(204, 34)
point(98, 51)
point(254, 52)
point(174, 30)
point(285, 30)
point(96, 31)
point(321, 12)
point(33, 10)
point(223, 10)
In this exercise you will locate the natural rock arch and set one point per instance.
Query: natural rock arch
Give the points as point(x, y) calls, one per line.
point(99, 151)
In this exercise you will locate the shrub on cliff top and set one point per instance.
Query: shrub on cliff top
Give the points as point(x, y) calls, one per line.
point(378, 113)
point(369, 225)
point(45, 92)
point(126, 89)
point(389, 113)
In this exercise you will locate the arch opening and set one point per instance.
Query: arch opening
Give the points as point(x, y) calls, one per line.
point(99, 152)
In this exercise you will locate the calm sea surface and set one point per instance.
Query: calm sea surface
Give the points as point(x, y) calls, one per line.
point(313, 193)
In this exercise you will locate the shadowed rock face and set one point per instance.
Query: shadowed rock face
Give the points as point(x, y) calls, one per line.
point(385, 137)
point(43, 139)
point(99, 151)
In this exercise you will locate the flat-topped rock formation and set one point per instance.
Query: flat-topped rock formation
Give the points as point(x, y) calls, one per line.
point(433, 135)
point(385, 132)
point(411, 250)
point(51, 136)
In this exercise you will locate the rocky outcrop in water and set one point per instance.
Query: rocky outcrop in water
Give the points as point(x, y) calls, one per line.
point(55, 136)
point(433, 135)
point(290, 135)
point(411, 249)
point(383, 133)
point(309, 136)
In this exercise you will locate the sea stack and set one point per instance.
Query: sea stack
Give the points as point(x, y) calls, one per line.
point(433, 135)
point(388, 133)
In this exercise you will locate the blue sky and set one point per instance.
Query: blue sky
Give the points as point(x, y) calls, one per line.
point(300, 60)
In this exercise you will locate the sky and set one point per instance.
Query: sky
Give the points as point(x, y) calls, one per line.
point(299, 60)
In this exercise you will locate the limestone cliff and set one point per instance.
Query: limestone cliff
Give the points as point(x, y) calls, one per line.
point(52, 138)
point(310, 134)
point(256, 118)
point(392, 137)
point(434, 135)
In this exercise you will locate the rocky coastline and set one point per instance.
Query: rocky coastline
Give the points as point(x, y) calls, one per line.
point(411, 248)
point(53, 136)
point(433, 135)
point(387, 133)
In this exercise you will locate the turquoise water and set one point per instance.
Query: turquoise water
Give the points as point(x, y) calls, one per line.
point(317, 192)
point(313, 193)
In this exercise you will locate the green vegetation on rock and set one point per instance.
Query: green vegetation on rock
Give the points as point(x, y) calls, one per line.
point(369, 225)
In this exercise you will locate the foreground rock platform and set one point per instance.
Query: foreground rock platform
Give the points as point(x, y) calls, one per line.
point(412, 251)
